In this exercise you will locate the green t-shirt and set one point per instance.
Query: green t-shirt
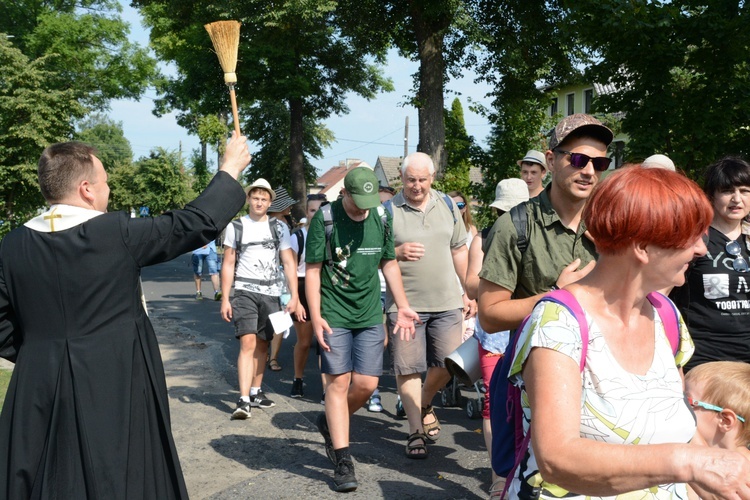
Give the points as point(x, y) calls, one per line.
point(350, 295)
point(551, 247)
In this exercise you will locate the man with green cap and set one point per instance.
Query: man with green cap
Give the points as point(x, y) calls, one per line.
point(343, 295)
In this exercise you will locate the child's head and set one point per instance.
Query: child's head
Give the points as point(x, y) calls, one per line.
point(723, 384)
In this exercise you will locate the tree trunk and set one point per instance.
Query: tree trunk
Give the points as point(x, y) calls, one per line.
point(297, 157)
point(430, 35)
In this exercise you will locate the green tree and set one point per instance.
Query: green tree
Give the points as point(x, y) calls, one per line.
point(272, 132)
point(525, 45)
point(458, 148)
point(291, 51)
point(32, 116)
point(678, 72)
point(124, 192)
point(437, 33)
point(87, 46)
point(107, 136)
point(162, 182)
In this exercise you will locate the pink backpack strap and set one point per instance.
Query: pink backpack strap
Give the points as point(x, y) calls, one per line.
point(667, 311)
point(567, 299)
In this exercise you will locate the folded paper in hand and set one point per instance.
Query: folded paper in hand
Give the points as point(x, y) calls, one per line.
point(280, 321)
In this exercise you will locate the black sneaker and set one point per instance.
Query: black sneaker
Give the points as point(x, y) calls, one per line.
point(242, 411)
point(322, 424)
point(261, 401)
point(297, 388)
point(343, 477)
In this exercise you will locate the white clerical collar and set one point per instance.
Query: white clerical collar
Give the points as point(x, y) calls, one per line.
point(61, 217)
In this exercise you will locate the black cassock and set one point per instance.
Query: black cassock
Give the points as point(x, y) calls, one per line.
point(87, 414)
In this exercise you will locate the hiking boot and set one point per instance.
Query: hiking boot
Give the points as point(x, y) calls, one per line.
point(217, 296)
point(343, 476)
point(242, 411)
point(298, 388)
point(322, 424)
point(261, 401)
point(198, 296)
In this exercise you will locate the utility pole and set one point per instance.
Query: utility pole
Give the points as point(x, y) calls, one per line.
point(406, 138)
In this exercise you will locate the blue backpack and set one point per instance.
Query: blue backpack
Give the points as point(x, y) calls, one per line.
point(509, 444)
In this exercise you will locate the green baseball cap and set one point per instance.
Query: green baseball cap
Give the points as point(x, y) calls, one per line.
point(362, 184)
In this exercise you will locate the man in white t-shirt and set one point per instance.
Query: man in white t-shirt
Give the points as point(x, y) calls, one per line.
point(262, 246)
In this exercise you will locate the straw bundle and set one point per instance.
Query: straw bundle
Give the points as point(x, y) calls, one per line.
point(225, 36)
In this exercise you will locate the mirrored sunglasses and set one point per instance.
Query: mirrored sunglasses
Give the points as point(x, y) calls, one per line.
point(708, 406)
point(580, 160)
point(739, 263)
point(461, 205)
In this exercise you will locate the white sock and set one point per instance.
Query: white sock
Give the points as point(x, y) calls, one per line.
point(254, 391)
point(245, 399)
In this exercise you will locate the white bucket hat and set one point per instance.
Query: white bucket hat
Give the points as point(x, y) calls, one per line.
point(509, 193)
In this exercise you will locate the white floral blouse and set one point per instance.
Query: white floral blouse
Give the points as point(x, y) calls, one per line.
point(616, 406)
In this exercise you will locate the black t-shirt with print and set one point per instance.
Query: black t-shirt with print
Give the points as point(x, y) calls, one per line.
point(715, 302)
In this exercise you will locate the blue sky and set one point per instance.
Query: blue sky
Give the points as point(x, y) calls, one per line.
point(371, 129)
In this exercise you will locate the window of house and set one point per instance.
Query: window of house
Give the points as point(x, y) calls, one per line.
point(553, 107)
point(571, 104)
point(588, 97)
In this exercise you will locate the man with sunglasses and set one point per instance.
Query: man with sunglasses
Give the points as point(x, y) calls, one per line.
point(556, 251)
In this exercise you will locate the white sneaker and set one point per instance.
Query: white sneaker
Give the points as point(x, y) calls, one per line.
point(373, 404)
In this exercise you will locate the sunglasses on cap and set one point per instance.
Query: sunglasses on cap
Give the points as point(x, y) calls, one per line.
point(580, 160)
point(316, 197)
point(708, 406)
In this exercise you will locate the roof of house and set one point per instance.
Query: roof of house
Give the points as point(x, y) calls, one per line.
point(336, 174)
point(391, 166)
point(475, 175)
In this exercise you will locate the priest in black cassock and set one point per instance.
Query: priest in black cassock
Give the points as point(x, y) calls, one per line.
point(86, 414)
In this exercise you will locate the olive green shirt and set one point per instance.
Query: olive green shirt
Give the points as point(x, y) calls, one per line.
point(430, 283)
point(551, 247)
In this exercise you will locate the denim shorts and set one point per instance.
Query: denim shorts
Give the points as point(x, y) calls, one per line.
point(437, 337)
point(210, 258)
point(250, 311)
point(354, 350)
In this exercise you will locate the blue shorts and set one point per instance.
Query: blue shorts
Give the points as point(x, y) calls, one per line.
point(354, 350)
point(210, 258)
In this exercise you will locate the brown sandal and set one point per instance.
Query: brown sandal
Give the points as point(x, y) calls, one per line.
point(411, 447)
point(429, 427)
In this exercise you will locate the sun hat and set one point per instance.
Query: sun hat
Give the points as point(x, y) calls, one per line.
point(362, 184)
point(281, 201)
point(658, 161)
point(586, 124)
point(261, 183)
point(533, 156)
point(509, 193)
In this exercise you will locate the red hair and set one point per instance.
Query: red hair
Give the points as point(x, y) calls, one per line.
point(648, 206)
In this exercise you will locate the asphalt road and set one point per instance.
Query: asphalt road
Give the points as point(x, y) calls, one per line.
point(278, 453)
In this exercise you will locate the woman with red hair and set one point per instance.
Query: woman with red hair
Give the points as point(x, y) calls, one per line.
point(620, 425)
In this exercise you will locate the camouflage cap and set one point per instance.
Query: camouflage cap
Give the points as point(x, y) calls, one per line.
point(584, 125)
